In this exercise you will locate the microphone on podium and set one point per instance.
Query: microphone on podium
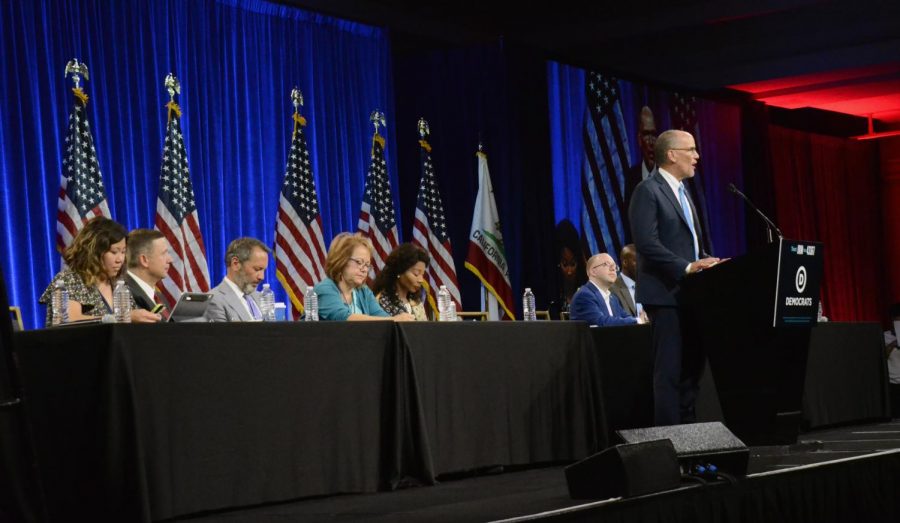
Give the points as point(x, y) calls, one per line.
point(770, 225)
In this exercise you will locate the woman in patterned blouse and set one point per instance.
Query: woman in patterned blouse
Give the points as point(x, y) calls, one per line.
point(399, 285)
point(94, 260)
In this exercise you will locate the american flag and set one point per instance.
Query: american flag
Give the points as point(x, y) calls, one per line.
point(176, 217)
point(684, 117)
point(299, 246)
point(604, 216)
point(81, 193)
point(377, 219)
point(430, 233)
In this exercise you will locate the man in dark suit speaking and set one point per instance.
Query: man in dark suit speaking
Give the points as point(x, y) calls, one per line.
point(666, 233)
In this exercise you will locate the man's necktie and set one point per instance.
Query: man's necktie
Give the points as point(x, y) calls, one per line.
point(686, 209)
point(254, 310)
point(164, 312)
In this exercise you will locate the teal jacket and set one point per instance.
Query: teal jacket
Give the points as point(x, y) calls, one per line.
point(333, 308)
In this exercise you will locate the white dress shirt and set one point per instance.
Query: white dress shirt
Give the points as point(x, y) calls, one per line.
point(605, 295)
point(674, 185)
point(240, 294)
point(148, 290)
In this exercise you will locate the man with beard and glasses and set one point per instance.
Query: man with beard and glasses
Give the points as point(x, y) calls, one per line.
point(236, 298)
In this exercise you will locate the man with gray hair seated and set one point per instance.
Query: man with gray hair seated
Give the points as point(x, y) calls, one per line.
point(236, 298)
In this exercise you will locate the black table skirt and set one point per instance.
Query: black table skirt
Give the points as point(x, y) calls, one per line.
point(148, 422)
point(141, 423)
point(846, 377)
point(503, 393)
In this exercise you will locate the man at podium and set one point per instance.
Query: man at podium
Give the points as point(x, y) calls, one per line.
point(666, 232)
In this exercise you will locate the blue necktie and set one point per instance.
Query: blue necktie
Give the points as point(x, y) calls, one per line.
point(686, 209)
point(254, 310)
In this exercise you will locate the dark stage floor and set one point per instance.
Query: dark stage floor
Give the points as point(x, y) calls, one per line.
point(541, 493)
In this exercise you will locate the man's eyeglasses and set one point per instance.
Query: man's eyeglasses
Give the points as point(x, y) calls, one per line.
point(688, 149)
point(361, 264)
point(606, 265)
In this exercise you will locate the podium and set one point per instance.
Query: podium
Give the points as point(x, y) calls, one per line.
point(752, 317)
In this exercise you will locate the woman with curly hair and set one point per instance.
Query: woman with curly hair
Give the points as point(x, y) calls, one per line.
point(94, 260)
point(399, 285)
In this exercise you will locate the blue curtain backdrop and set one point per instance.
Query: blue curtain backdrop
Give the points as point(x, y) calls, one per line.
point(237, 61)
point(719, 139)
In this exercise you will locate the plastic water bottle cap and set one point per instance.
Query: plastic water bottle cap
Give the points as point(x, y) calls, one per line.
point(265, 286)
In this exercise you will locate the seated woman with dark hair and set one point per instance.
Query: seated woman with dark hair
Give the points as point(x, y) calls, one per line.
point(343, 295)
point(399, 285)
point(95, 260)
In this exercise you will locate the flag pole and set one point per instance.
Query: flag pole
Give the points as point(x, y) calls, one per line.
point(485, 296)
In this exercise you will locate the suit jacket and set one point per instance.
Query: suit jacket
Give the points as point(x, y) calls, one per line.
point(588, 305)
point(225, 305)
point(333, 308)
point(140, 297)
point(663, 240)
point(620, 291)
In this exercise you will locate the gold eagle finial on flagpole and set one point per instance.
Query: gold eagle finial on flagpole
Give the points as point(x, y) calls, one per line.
point(173, 86)
point(424, 130)
point(77, 70)
point(296, 99)
point(377, 118)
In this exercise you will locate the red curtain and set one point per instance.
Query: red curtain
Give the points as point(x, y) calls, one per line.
point(890, 202)
point(827, 190)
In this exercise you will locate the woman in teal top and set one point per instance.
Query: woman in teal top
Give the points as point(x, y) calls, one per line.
point(343, 295)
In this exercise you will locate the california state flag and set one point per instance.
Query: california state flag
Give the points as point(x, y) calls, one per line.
point(486, 257)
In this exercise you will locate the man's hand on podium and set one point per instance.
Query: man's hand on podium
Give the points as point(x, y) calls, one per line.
point(699, 265)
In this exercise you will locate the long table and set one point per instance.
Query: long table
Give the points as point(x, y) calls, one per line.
point(141, 423)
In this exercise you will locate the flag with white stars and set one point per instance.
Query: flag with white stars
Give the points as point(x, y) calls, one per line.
point(377, 220)
point(430, 233)
point(81, 192)
point(176, 217)
point(604, 214)
point(299, 245)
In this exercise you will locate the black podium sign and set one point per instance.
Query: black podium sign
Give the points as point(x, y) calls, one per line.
point(797, 283)
point(751, 316)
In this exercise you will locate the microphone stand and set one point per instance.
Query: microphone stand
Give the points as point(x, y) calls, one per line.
point(770, 225)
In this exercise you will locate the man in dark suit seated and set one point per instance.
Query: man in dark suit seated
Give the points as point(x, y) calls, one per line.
point(625, 286)
point(236, 298)
point(666, 233)
point(148, 262)
point(594, 303)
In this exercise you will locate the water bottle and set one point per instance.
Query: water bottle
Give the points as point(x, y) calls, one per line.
point(122, 302)
point(529, 313)
point(60, 304)
point(267, 303)
point(443, 302)
point(311, 305)
point(451, 311)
